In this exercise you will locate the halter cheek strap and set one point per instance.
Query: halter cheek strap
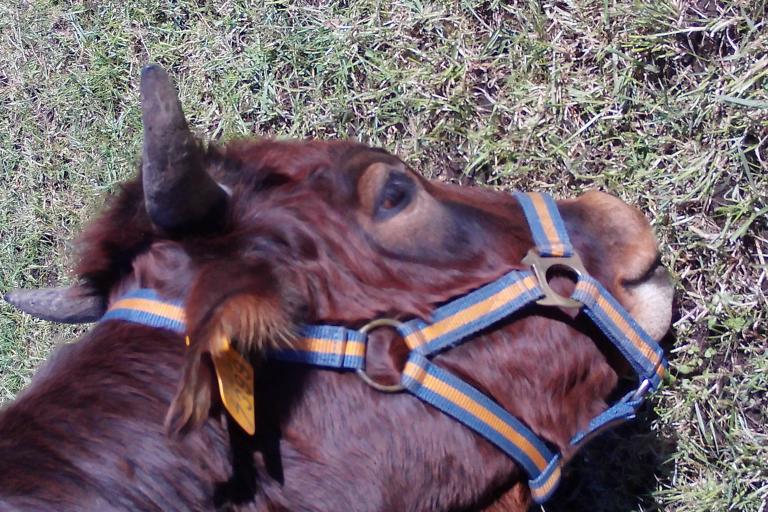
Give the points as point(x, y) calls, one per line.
point(341, 348)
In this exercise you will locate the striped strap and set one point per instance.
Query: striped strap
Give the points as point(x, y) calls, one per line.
point(546, 224)
point(466, 404)
point(642, 351)
point(454, 322)
point(339, 347)
point(624, 410)
point(321, 345)
point(144, 306)
point(328, 346)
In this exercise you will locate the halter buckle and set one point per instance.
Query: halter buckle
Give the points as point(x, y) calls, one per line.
point(541, 265)
point(378, 386)
point(642, 390)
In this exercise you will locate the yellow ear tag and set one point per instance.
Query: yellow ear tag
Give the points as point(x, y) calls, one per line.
point(235, 376)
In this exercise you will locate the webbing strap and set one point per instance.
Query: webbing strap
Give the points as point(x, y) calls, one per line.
point(328, 346)
point(144, 306)
point(624, 410)
point(643, 353)
point(466, 404)
point(546, 224)
point(640, 350)
point(321, 345)
point(454, 322)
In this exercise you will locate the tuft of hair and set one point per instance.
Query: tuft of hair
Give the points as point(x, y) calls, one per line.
point(229, 303)
point(253, 324)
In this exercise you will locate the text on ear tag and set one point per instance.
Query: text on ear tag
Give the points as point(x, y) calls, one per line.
point(235, 377)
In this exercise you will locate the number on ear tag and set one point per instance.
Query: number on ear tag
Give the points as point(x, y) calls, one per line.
point(235, 376)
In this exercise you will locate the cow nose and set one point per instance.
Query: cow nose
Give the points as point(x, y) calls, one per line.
point(625, 251)
point(650, 302)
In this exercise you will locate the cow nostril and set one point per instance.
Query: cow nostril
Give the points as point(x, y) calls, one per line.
point(652, 272)
point(658, 275)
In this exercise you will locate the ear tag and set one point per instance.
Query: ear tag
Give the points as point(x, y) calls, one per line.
point(235, 376)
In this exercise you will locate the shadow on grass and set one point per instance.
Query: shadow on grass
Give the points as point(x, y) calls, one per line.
point(620, 469)
point(617, 471)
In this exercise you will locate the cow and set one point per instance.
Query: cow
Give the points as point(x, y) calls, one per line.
point(254, 239)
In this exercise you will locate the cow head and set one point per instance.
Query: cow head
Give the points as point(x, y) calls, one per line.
point(258, 237)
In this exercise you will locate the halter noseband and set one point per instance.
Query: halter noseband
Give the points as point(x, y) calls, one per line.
point(342, 348)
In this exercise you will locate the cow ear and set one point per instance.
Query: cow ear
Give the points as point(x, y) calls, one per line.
point(231, 306)
point(192, 402)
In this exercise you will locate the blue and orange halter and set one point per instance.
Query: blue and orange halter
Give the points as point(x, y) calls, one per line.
point(341, 348)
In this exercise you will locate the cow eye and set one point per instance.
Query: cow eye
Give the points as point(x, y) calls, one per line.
point(394, 196)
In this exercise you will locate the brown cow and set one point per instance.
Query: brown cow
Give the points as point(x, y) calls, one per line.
point(257, 237)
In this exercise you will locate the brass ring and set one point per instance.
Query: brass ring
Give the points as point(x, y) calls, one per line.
point(381, 322)
point(385, 388)
point(540, 265)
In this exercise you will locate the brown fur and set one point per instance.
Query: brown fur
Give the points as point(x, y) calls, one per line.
point(299, 244)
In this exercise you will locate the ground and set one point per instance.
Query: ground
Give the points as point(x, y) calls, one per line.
point(664, 103)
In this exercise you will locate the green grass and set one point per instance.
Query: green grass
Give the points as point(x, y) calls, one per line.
point(664, 103)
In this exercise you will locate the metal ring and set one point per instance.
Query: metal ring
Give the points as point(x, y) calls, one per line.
point(385, 388)
point(381, 322)
point(540, 265)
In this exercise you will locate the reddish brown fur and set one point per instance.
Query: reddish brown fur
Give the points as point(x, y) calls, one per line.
point(298, 245)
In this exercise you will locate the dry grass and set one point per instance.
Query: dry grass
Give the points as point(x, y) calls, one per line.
point(664, 103)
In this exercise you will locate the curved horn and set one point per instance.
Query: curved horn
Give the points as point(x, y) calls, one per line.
point(63, 305)
point(178, 191)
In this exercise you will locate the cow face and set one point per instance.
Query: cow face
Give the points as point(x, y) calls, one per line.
point(399, 227)
point(259, 237)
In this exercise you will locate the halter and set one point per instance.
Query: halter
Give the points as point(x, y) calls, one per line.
point(341, 348)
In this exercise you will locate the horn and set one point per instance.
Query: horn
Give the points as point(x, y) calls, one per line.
point(178, 192)
point(68, 305)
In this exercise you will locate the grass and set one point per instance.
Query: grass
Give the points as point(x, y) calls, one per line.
point(662, 102)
